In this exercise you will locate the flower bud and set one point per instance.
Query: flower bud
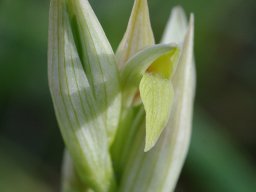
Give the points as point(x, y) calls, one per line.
point(84, 86)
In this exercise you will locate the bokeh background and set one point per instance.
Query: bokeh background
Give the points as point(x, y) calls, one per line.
point(222, 155)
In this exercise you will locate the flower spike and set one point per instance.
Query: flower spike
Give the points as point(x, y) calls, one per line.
point(125, 118)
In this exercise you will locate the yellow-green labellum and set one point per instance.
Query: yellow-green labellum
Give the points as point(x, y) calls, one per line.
point(142, 62)
point(157, 97)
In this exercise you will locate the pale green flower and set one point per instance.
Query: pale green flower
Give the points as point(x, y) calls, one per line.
point(125, 118)
point(158, 169)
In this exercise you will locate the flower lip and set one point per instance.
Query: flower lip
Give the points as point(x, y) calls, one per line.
point(165, 65)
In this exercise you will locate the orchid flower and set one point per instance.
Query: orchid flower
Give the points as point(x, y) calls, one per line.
point(125, 118)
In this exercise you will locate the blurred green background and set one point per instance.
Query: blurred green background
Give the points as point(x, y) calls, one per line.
point(222, 156)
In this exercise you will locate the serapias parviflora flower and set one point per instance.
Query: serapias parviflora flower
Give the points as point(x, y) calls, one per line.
point(125, 117)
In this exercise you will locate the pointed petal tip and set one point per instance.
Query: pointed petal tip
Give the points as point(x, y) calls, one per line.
point(190, 30)
point(191, 20)
point(176, 26)
point(178, 9)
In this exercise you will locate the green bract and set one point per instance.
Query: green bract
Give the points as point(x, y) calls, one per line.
point(125, 118)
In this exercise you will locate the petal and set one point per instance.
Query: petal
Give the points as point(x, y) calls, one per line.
point(139, 63)
point(99, 63)
point(176, 27)
point(138, 34)
point(157, 97)
point(133, 117)
point(165, 65)
point(155, 90)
